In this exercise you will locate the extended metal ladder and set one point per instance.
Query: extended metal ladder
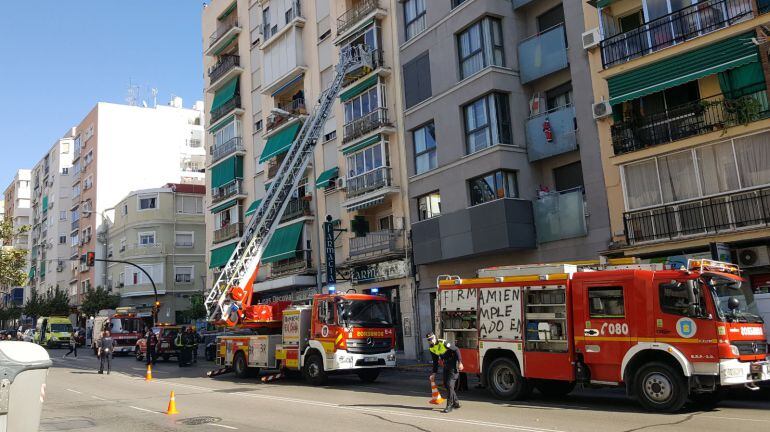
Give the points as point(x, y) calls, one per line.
point(244, 262)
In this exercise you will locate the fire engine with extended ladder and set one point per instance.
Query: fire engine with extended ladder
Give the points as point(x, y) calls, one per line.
point(337, 332)
point(664, 334)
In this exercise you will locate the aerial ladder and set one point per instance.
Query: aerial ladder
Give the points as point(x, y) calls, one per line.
point(231, 295)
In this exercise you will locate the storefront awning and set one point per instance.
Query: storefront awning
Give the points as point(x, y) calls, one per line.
point(363, 144)
point(219, 256)
point(253, 208)
point(224, 206)
point(284, 244)
point(280, 142)
point(690, 66)
point(223, 95)
point(358, 88)
point(323, 179)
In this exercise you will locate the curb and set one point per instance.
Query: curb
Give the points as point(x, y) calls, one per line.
point(413, 367)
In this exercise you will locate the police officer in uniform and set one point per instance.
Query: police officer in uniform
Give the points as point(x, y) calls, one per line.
point(453, 365)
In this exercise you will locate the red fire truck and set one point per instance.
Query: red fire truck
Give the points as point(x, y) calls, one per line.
point(337, 333)
point(124, 325)
point(663, 334)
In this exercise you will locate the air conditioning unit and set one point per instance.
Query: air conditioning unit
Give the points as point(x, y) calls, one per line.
point(83, 267)
point(341, 183)
point(753, 256)
point(602, 109)
point(591, 38)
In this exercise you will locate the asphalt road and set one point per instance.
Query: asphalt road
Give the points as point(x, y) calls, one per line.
point(77, 398)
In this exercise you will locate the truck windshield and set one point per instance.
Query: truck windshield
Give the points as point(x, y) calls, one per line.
point(125, 325)
point(61, 328)
point(367, 313)
point(723, 289)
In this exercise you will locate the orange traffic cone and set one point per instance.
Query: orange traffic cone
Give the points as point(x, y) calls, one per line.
point(436, 398)
point(172, 405)
point(148, 375)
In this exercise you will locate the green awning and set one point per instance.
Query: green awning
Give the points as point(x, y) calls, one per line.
point(267, 185)
point(363, 144)
point(42, 268)
point(45, 204)
point(224, 94)
point(225, 45)
point(219, 256)
point(284, 244)
point(221, 123)
point(253, 208)
point(358, 88)
point(686, 67)
point(227, 171)
point(604, 3)
point(280, 142)
point(323, 179)
point(224, 206)
point(227, 11)
point(31, 272)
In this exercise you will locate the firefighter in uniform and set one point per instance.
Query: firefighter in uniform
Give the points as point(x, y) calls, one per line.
point(453, 365)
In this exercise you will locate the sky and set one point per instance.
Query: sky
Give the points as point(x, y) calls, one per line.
point(58, 58)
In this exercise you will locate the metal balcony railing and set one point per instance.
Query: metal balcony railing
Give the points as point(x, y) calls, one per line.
point(363, 125)
point(295, 106)
point(225, 64)
point(374, 243)
point(302, 263)
point(695, 118)
point(699, 217)
point(218, 33)
point(296, 208)
point(378, 61)
point(233, 188)
point(137, 249)
point(679, 26)
point(356, 14)
point(226, 108)
point(373, 180)
point(229, 147)
point(543, 54)
point(227, 232)
point(560, 215)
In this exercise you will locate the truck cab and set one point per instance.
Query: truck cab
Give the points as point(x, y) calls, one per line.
point(53, 331)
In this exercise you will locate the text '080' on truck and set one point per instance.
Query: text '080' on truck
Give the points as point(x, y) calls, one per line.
point(665, 335)
point(337, 333)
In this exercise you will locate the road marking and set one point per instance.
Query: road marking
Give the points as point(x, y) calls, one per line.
point(738, 418)
point(98, 398)
point(74, 391)
point(143, 409)
point(223, 426)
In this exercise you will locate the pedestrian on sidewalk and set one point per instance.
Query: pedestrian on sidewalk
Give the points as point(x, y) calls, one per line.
point(106, 347)
point(453, 365)
point(73, 344)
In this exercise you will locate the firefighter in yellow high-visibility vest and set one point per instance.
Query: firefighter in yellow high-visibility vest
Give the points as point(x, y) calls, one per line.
point(453, 365)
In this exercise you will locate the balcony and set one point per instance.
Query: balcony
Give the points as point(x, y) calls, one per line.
point(228, 232)
point(378, 64)
point(672, 29)
point(302, 264)
point(74, 225)
point(543, 54)
point(368, 182)
point(297, 208)
point(232, 104)
point(74, 251)
point(716, 113)
point(700, 217)
point(563, 137)
point(223, 36)
point(233, 145)
point(223, 70)
point(234, 188)
point(560, 215)
point(366, 124)
point(294, 107)
point(377, 243)
point(293, 13)
point(356, 14)
point(283, 60)
point(137, 249)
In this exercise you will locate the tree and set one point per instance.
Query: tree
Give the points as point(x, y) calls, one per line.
point(196, 311)
point(12, 260)
point(34, 307)
point(97, 299)
point(56, 302)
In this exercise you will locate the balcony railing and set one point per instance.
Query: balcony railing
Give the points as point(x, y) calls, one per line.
point(378, 61)
point(679, 26)
point(543, 54)
point(560, 215)
point(224, 65)
point(302, 263)
point(375, 243)
point(695, 118)
point(138, 249)
point(373, 180)
point(362, 126)
point(295, 106)
point(75, 225)
point(226, 108)
point(356, 14)
point(233, 188)
point(701, 217)
point(228, 232)
point(231, 146)
point(562, 133)
point(218, 33)
point(296, 208)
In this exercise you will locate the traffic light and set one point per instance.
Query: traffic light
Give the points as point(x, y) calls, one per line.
point(90, 258)
point(157, 304)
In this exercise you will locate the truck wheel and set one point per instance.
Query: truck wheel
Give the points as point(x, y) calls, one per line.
point(314, 370)
point(49, 344)
point(138, 354)
point(555, 388)
point(368, 375)
point(660, 387)
point(505, 381)
point(166, 357)
point(240, 367)
point(708, 400)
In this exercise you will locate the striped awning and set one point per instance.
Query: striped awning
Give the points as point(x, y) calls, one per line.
point(365, 204)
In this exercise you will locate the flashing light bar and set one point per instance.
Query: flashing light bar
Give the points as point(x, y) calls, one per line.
point(712, 265)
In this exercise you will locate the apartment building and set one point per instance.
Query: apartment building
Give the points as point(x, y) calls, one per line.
point(268, 62)
point(163, 231)
point(501, 148)
point(17, 209)
point(118, 149)
point(50, 228)
point(680, 89)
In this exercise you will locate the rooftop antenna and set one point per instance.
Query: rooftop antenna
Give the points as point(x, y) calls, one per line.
point(154, 92)
point(132, 94)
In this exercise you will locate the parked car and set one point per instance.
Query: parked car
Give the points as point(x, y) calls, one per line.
point(28, 335)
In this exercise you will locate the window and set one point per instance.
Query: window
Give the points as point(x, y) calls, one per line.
point(189, 204)
point(366, 160)
point(75, 239)
point(88, 183)
point(330, 136)
point(109, 251)
point(386, 223)
point(479, 46)
point(147, 202)
point(134, 276)
point(184, 239)
point(226, 217)
point(551, 18)
point(227, 132)
point(146, 238)
point(414, 17)
point(456, 3)
point(89, 158)
point(487, 122)
point(124, 209)
point(558, 97)
point(363, 104)
point(429, 206)
point(417, 84)
point(62, 239)
point(183, 274)
point(424, 148)
point(568, 176)
point(258, 125)
point(65, 171)
point(76, 190)
point(63, 215)
point(123, 244)
point(606, 302)
point(492, 186)
point(675, 298)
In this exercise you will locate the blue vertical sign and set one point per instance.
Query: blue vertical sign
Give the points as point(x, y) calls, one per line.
point(331, 265)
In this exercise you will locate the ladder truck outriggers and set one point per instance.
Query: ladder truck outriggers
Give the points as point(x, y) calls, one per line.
point(343, 332)
point(664, 334)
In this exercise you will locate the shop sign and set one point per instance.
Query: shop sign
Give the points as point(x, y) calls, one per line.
point(293, 296)
point(380, 271)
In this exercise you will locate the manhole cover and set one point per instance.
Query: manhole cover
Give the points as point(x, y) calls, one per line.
point(193, 421)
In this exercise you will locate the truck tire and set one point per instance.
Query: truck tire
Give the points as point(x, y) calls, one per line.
point(166, 357)
point(660, 387)
point(368, 375)
point(138, 354)
point(505, 381)
point(313, 370)
point(555, 388)
point(240, 367)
